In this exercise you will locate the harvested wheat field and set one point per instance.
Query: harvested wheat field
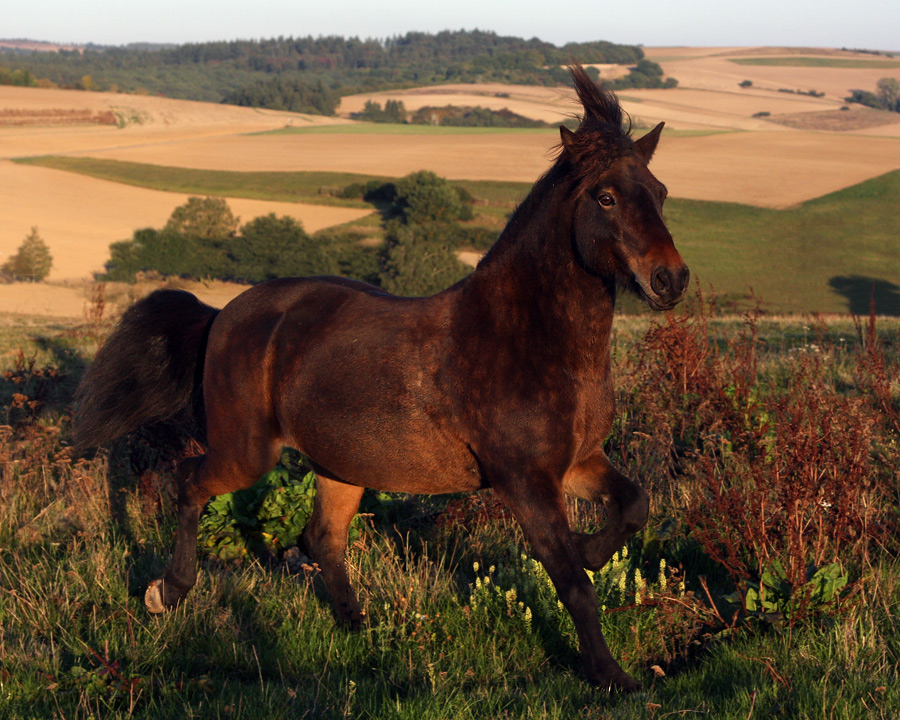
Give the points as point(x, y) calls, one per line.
point(754, 145)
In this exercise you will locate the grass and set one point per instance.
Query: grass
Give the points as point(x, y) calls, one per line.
point(400, 129)
point(275, 186)
point(445, 638)
point(846, 63)
point(368, 128)
point(825, 255)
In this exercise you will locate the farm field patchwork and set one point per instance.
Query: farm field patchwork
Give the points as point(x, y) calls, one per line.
point(794, 259)
point(712, 151)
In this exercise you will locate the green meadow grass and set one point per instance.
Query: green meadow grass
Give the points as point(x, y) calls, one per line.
point(257, 641)
point(848, 63)
point(400, 129)
point(825, 255)
point(275, 186)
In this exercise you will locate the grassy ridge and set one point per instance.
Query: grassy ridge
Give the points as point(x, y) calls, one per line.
point(825, 255)
point(274, 186)
point(847, 63)
point(398, 129)
point(822, 256)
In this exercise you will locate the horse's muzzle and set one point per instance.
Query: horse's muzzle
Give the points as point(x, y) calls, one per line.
point(668, 285)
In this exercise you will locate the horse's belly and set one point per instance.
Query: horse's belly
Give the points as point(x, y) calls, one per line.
point(394, 454)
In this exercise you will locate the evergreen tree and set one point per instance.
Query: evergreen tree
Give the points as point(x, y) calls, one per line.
point(32, 261)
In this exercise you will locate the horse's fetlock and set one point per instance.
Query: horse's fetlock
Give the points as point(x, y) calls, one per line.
point(636, 514)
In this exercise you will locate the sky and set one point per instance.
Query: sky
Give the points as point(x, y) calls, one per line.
point(863, 24)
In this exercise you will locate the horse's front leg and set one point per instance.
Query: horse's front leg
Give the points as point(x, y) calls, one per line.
point(626, 503)
point(539, 506)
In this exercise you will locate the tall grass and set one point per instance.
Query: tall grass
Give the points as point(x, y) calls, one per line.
point(462, 622)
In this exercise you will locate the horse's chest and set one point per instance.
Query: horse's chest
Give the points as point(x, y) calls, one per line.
point(595, 410)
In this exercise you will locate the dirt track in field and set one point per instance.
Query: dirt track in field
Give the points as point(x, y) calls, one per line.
point(791, 155)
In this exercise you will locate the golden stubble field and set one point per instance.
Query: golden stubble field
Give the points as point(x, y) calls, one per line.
point(718, 150)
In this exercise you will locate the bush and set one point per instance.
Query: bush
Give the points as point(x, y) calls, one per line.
point(270, 247)
point(32, 261)
point(420, 260)
point(168, 253)
point(208, 218)
point(774, 474)
point(393, 112)
point(473, 117)
point(373, 191)
point(423, 197)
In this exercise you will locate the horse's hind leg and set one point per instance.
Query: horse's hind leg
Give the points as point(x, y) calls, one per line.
point(626, 502)
point(181, 574)
point(199, 479)
point(325, 539)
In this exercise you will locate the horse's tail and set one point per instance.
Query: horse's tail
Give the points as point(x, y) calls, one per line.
point(150, 368)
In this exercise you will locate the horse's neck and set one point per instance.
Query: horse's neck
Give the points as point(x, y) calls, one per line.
point(531, 281)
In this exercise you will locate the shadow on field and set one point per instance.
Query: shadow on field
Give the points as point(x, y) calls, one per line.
point(860, 291)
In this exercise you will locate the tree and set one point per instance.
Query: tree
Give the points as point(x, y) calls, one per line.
point(32, 260)
point(889, 93)
point(205, 218)
point(271, 247)
point(425, 197)
point(420, 260)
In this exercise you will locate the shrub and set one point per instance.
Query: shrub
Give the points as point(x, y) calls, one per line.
point(208, 218)
point(393, 112)
point(271, 247)
point(773, 473)
point(32, 261)
point(420, 260)
point(168, 253)
point(425, 197)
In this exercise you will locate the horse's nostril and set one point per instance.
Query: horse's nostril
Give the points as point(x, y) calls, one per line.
point(684, 277)
point(661, 281)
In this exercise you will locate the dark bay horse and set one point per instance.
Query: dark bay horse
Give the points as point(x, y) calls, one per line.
point(501, 381)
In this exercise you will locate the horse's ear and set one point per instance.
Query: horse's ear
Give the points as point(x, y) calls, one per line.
point(646, 145)
point(567, 137)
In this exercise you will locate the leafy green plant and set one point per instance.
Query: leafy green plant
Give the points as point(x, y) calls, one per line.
point(424, 197)
point(774, 597)
point(269, 516)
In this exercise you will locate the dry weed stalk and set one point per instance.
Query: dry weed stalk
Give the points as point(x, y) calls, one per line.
point(767, 474)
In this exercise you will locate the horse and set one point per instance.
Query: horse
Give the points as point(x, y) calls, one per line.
point(501, 380)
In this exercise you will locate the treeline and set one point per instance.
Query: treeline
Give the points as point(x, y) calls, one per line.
point(276, 71)
point(426, 225)
point(394, 111)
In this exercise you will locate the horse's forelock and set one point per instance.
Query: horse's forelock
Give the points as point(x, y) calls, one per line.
point(604, 133)
point(601, 107)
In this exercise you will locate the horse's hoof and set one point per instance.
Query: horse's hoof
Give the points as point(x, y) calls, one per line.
point(625, 683)
point(153, 598)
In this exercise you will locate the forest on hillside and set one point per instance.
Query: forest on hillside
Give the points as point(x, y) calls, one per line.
point(311, 74)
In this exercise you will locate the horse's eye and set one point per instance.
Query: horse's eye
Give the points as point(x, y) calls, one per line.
point(606, 200)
